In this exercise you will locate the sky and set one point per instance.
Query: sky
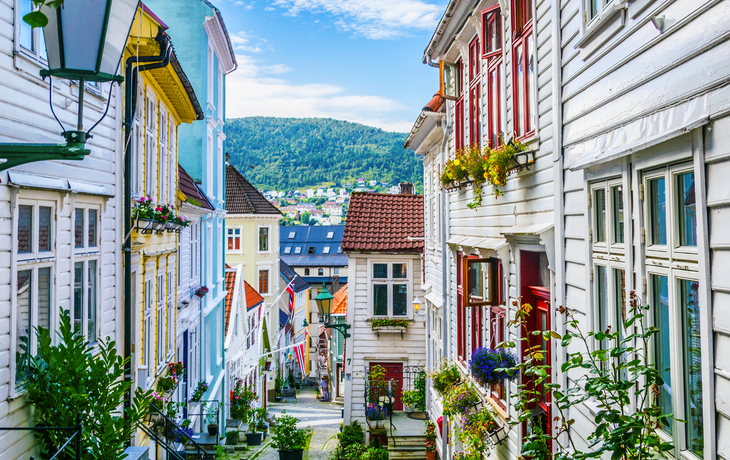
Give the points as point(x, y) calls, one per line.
point(354, 60)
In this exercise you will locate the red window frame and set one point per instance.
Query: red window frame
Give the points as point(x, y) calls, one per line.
point(459, 107)
point(460, 308)
point(475, 78)
point(522, 26)
point(492, 51)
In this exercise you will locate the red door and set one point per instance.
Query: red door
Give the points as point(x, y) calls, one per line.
point(394, 373)
point(540, 321)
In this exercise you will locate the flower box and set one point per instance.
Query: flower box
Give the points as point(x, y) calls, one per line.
point(146, 226)
point(390, 329)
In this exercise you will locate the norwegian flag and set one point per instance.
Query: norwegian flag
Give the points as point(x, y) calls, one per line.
point(299, 352)
point(290, 290)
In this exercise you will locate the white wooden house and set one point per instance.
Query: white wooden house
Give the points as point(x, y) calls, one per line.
point(60, 240)
point(384, 241)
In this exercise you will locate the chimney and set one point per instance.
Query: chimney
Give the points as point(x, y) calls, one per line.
point(228, 158)
point(406, 188)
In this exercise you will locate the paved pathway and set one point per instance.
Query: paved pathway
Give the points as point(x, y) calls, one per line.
point(324, 418)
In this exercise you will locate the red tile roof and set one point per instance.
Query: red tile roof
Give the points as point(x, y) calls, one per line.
point(340, 300)
point(435, 103)
point(230, 285)
point(190, 189)
point(378, 222)
point(253, 298)
point(243, 198)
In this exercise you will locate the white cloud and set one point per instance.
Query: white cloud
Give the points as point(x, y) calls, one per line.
point(375, 19)
point(242, 42)
point(249, 92)
point(246, 6)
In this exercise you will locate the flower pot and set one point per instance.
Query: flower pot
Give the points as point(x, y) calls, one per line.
point(253, 439)
point(213, 430)
point(408, 408)
point(295, 454)
point(431, 455)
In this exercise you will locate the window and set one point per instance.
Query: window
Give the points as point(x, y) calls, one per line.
point(480, 288)
point(492, 49)
point(287, 250)
point(34, 240)
point(310, 250)
point(337, 271)
point(297, 250)
point(330, 235)
point(523, 71)
point(320, 271)
point(460, 309)
point(263, 281)
point(609, 264)
point(170, 315)
point(292, 234)
point(151, 145)
point(211, 80)
point(234, 239)
point(339, 249)
point(172, 166)
point(390, 289)
point(306, 272)
point(86, 232)
point(263, 239)
point(459, 107)
point(161, 321)
point(195, 252)
point(148, 353)
point(137, 161)
point(475, 101)
point(326, 250)
point(162, 159)
point(30, 40)
point(86, 272)
point(595, 7)
point(671, 241)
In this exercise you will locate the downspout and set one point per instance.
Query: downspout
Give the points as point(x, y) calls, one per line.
point(130, 108)
point(559, 299)
point(445, 266)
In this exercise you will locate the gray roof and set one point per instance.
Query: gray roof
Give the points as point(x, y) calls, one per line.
point(288, 273)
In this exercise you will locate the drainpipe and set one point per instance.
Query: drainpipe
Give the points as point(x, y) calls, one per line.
point(130, 107)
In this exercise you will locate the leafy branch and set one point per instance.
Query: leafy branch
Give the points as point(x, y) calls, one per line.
point(37, 18)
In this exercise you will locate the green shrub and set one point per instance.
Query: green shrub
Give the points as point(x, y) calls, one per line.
point(231, 438)
point(374, 453)
point(445, 377)
point(352, 434)
point(287, 436)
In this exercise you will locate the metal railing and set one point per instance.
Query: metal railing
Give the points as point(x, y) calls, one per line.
point(403, 378)
point(76, 436)
point(206, 407)
point(176, 443)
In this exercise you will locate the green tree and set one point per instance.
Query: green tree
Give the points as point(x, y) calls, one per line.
point(74, 378)
point(305, 218)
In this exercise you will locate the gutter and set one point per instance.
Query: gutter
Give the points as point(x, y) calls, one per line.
point(438, 33)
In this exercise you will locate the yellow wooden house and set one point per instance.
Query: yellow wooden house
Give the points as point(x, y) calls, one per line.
point(164, 100)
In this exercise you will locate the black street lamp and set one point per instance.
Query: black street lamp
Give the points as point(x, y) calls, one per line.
point(84, 40)
point(324, 305)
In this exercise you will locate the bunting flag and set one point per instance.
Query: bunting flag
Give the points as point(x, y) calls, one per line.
point(290, 290)
point(299, 352)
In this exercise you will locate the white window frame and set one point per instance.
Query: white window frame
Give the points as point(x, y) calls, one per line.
point(37, 55)
point(259, 269)
point(148, 355)
point(85, 256)
point(172, 160)
point(220, 95)
point(161, 339)
point(603, 6)
point(219, 164)
point(170, 313)
point(211, 79)
point(234, 233)
point(268, 239)
point(162, 162)
point(195, 253)
point(390, 281)
point(209, 166)
point(151, 145)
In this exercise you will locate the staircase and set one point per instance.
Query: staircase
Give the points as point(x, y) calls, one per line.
point(406, 438)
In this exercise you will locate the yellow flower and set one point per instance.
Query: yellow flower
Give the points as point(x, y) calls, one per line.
point(457, 162)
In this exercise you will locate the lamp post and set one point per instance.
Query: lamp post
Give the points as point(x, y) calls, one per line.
point(324, 305)
point(84, 40)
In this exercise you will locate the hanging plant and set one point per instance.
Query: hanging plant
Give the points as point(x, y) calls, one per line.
point(489, 366)
point(445, 377)
point(460, 400)
point(476, 425)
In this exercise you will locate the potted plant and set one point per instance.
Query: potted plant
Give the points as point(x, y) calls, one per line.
point(376, 413)
point(460, 400)
point(262, 425)
point(199, 391)
point(430, 440)
point(489, 366)
point(278, 386)
point(445, 377)
point(289, 440)
point(410, 400)
point(212, 419)
point(231, 437)
point(253, 437)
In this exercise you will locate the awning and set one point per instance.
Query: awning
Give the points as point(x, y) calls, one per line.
point(641, 134)
point(528, 229)
point(435, 298)
point(493, 243)
point(54, 183)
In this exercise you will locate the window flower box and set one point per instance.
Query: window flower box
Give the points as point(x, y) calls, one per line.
point(390, 326)
point(146, 226)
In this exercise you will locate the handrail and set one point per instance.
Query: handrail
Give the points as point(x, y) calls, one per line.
point(159, 441)
point(76, 434)
point(175, 426)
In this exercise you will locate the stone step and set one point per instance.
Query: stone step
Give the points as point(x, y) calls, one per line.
point(137, 453)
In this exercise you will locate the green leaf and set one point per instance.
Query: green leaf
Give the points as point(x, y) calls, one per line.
point(36, 19)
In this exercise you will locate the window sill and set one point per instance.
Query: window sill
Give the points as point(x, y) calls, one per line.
point(602, 29)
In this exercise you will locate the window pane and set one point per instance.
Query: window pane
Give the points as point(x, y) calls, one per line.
point(686, 209)
point(594, 7)
point(92, 228)
point(619, 288)
point(79, 228)
point(599, 197)
point(22, 351)
point(380, 270)
point(660, 298)
point(44, 298)
point(602, 301)
point(617, 213)
point(693, 364)
point(520, 80)
point(400, 299)
point(25, 229)
point(478, 273)
point(531, 82)
point(26, 32)
point(380, 299)
point(658, 211)
point(263, 239)
point(400, 271)
point(91, 286)
point(44, 228)
point(78, 295)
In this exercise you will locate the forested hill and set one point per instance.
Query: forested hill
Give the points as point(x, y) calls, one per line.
point(300, 153)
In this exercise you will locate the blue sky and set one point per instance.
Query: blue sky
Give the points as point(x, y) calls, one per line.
point(355, 60)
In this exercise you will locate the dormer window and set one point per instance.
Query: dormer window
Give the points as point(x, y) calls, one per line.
point(292, 234)
point(330, 235)
point(297, 250)
point(326, 250)
point(287, 250)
